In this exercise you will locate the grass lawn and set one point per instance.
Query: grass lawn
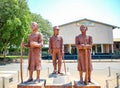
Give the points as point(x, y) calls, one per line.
point(13, 57)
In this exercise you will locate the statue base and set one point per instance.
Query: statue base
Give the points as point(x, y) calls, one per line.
point(93, 84)
point(32, 84)
point(58, 81)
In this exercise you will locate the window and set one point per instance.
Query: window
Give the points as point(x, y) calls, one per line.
point(99, 48)
point(118, 45)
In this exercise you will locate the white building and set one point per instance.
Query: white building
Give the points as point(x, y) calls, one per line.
point(102, 34)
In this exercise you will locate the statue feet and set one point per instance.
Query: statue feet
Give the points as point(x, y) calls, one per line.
point(54, 72)
point(81, 81)
point(60, 73)
point(37, 81)
point(29, 80)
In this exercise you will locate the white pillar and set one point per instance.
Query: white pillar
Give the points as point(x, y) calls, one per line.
point(91, 51)
point(108, 48)
point(112, 48)
point(69, 48)
point(96, 48)
point(102, 51)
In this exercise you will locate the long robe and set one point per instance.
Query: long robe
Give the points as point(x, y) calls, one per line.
point(34, 61)
point(81, 52)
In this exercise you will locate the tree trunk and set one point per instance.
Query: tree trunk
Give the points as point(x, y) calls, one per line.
point(4, 52)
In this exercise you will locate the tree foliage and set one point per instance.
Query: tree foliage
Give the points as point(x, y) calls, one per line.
point(45, 27)
point(15, 18)
point(15, 21)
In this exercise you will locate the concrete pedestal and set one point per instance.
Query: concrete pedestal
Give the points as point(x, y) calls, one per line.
point(32, 84)
point(14, 75)
point(6, 79)
point(59, 81)
point(1, 82)
point(94, 84)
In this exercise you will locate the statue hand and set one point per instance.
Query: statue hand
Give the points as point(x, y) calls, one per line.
point(50, 51)
point(62, 52)
point(22, 45)
point(84, 47)
point(32, 44)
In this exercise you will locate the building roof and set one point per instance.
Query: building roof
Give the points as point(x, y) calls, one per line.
point(116, 39)
point(113, 26)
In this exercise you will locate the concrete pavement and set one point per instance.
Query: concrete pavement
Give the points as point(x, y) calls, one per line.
point(102, 71)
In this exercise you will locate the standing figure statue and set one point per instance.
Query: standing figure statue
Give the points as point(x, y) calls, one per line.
point(35, 43)
point(56, 48)
point(84, 44)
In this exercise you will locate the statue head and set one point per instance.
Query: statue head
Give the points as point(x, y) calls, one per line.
point(83, 28)
point(56, 30)
point(34, 26)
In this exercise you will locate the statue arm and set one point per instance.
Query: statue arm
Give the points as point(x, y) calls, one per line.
point(50, 46)
point(89, 46)
point(78, 46)
point(38, 44)
point(62, 45)
point(40, 41)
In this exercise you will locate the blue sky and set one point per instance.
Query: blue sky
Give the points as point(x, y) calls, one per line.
point(63, 11)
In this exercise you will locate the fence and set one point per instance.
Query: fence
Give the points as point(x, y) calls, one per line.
point(112, 77)
point(110, 82)
point(75, 57)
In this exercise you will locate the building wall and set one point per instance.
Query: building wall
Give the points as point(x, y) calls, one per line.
point(101, 34)
point(69, 32)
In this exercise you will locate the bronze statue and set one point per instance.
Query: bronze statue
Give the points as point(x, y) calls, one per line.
point(84, 44)
point(56, 48)
point(35, 43)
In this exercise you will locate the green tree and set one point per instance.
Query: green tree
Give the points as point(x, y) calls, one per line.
point(45, 27)
point(15, 18)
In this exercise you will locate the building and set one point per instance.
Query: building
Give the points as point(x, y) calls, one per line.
point(117, 46)
point(102, 34)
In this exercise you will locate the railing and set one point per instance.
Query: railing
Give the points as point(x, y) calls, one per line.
point(75, 57)
point(114, 82)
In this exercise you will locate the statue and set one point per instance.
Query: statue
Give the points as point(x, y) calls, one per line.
point(35, 43)
point(84, 44)
point(56, 48)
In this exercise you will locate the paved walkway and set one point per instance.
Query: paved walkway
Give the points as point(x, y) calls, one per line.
point(99, 74)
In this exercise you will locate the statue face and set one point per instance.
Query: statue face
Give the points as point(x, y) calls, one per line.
point(83, 28)
point(34, 26)
point(56, 31)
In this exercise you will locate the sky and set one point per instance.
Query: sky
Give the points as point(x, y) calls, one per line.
point(64, 11)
